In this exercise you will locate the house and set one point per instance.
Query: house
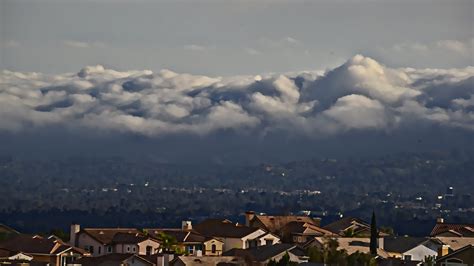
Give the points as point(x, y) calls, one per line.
point(8, 257)
point(275, 223)
point(397, 262)
point(7, 232)
point(455, 243)
point(115, 259)
point(349, 226)
point(302, 232)
point(350, 244)
point(208, 261)
point(410, 248)
point(235, 235)
point(190, 240)
point(43, 250)
point(264, 254)
point(460, 257)
point(442, 229)
point(102, 241)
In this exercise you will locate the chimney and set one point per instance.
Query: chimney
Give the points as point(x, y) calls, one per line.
point(75, 228)
point(317, 221)
point(186, 225)
point(443, 251)
point(440, 220)
point(248, 217)
point(380, 242)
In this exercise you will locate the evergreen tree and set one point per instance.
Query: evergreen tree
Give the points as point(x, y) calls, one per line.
point(373, 235)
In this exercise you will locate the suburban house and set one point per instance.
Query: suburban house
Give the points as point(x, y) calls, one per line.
point(397, 262)
point(102, 241)
point(42, 250)
point(349, 226)
point(6, 231)
point(235, 235)
point(264, 254)
point(190, 241)
point(275, 223)
point(302, 232)
point(411, 248)
point(455, 243)
point(460, 257)
point(208, 261)
point(350, 244)
point(8, 257)
point(115, 259)
point(442, 229)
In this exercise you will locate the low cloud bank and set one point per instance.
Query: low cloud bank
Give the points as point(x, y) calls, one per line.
point(361, 94)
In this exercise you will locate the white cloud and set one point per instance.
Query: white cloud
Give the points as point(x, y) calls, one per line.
point(456, 47)
point(252, 51)
point(194, 47)
point(361, 94)
point(83, 45)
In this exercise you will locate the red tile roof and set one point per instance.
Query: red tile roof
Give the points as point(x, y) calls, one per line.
point(275, 223)
point(106, 235)
point(465, 230)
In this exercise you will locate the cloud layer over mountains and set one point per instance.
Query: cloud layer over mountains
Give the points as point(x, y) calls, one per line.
point(361, 95)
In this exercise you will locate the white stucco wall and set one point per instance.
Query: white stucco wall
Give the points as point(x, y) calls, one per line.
point(265, 237)
point(142, 246)
point(85, 240)
point(419, 253)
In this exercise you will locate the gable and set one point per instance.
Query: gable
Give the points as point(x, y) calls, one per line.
point(420, 251)
point(84, 238)
point(20, 256)
point(254, 235)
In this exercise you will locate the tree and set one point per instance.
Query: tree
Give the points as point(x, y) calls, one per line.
point(373, 235)
point(168, 243)
point(430, 260)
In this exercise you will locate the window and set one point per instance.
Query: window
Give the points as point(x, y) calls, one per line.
point(407, 257)
point(134, 249)
point(90, 249)
point(109, 249)
point(128, 248)
point(268, 242)
point(213, 248)
point(99, 249)
point(191, 249)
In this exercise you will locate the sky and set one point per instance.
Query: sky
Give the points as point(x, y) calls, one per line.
point(227, 82)
point(232, 37)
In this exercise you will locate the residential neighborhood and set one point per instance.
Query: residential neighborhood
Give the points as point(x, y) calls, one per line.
point(262, 240)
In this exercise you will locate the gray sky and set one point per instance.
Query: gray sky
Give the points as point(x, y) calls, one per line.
point(232, 37)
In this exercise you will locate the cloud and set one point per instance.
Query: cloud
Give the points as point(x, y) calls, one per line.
point(194, 47)
point(83, 45)
point(360, 95)
point(287, 41)
point(454, 47)
point(252, 51)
